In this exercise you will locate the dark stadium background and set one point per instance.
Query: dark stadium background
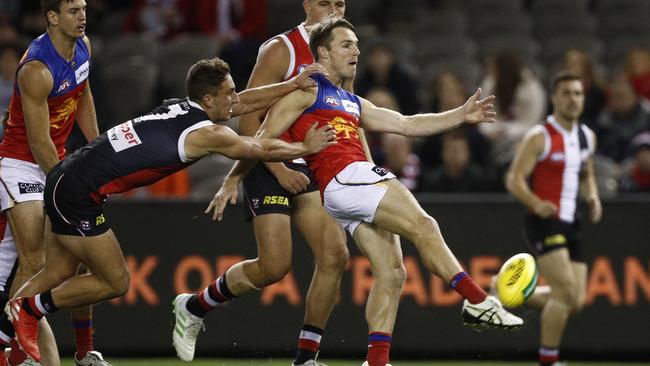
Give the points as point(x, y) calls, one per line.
point(172, 246)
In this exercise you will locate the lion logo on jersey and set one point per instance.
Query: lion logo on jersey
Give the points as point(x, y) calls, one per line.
point(341, 126)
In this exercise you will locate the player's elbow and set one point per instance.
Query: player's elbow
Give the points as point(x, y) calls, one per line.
point(512, 180)
point(407, 128)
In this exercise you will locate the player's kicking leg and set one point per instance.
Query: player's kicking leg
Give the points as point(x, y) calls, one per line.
point(401, 214)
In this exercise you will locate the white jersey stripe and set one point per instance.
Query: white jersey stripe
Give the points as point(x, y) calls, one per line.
point(292, 56)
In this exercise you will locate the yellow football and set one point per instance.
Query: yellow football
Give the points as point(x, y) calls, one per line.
point(517, 280)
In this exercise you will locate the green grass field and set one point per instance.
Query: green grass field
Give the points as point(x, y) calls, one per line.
point(287, 362)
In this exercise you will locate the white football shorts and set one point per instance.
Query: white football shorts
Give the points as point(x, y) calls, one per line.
point(20, 181)
point(354, 194)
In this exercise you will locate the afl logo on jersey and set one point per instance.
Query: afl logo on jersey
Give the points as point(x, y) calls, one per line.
point(64, 85)
point(330, 100)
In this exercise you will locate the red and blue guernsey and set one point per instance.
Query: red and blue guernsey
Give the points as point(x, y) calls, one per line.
point(340, 109)
point(556, 176)
point(70, 78)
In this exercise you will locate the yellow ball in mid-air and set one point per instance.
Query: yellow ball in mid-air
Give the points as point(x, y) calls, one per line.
point(517, 280)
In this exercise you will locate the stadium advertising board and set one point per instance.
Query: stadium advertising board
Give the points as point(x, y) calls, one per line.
point(173, 247)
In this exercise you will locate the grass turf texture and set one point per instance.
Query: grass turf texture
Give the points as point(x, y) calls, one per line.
point(287, 362)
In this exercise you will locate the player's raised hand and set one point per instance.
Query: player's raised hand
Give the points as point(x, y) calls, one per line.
point(227, 193)
point(478, 110)
point(304, 80)
point(317, 139)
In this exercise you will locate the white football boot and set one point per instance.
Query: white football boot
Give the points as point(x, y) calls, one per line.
point(489, 314)
point(366, 364)
point(186, 329)
point(28, 362)
point(92, 358)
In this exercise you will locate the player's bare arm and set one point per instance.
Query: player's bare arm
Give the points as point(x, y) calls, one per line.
point(279, 118)
point(262, 97)
point(589, 188)
point(86, 116)
point(475, 110)
point(222, 140)
point(35, 82)
point(521, 168)
point(270, 68)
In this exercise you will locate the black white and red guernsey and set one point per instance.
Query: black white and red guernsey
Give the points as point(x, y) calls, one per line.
point(556, 176)
point(140, 151)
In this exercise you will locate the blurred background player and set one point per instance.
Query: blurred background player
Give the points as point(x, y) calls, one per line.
point(365, 199)
point(280, 58)
point(557, 157)
point(50, 93)
point(136, 153)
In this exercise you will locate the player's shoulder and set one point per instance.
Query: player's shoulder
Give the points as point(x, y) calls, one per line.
point(275, 49)
point(536, 135)
point(34, 71)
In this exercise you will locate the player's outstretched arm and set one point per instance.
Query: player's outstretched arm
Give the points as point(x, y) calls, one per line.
point(35, 82)
point(475, 110)
point(261, 98)
point(264, 149)
point(222, 140)
point(522, 166)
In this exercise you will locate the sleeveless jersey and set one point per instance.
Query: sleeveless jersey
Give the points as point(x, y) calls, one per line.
point(138, 152)
point(556, 177)
point(70, 78)
point(297, 41)
point(340, 109)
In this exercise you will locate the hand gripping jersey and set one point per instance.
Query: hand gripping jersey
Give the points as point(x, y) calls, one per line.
point(138, 152)
point(70, 78)
point(556, 176)
point(340, 109)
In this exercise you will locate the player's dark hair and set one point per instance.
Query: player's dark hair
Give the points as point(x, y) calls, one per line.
point(205, 77)
point(52, 5)
point(321, 34)
point(561, 77)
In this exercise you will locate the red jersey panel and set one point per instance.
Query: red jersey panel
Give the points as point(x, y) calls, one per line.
point(70, 78)
point(556, 177)
point(340, 109)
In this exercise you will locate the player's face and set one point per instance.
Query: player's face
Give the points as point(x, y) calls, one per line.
point(344, 53)
point(71, 18)
point(221, 107)
point(568, 99)
point(316, 10)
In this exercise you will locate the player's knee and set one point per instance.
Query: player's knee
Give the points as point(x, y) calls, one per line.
point(120, 285)
point(393, 277)
point(424, 227)
point(273, 272)
point(564, 293)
